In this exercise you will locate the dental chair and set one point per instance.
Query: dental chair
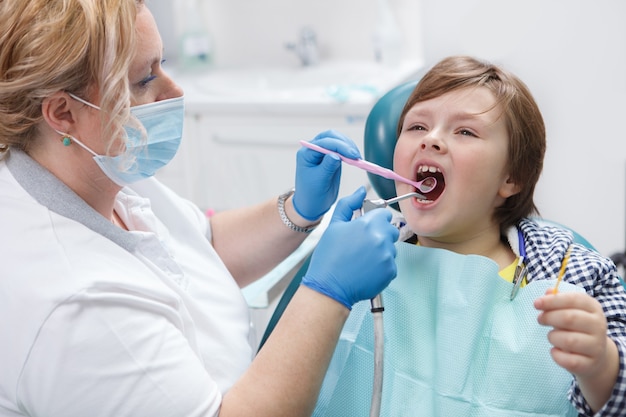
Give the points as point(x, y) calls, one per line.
point(379, 143)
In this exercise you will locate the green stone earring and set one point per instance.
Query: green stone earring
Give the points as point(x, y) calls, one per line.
point(67, 141)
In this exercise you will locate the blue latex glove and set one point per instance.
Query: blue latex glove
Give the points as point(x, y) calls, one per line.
point(354, 260)
point(318, 175)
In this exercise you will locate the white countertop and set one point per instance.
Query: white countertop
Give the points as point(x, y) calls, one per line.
point(337, 88)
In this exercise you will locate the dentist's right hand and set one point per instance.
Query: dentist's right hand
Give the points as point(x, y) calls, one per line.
point(355, 259)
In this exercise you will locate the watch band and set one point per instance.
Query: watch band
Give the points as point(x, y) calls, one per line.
point(283, 216)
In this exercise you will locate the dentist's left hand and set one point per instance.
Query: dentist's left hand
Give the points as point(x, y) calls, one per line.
point(318, 175)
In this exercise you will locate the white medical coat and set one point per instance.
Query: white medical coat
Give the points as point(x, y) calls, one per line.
point(97, 321)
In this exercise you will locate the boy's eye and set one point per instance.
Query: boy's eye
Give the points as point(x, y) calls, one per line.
point(466, 132)
point(416, 127)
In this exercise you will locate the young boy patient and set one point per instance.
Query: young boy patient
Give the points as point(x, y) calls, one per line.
point(473, 323)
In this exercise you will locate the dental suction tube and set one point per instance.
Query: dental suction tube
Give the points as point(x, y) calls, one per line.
point(379, 347)
point(377, 315)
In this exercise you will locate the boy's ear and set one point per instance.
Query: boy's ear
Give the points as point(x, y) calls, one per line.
point(57, 111)
point(509, 188)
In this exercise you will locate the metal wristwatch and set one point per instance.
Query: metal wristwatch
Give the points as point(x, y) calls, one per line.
point(283, 216)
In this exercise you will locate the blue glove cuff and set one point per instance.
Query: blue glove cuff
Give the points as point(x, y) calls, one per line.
point(295, 206)
point(315, 287)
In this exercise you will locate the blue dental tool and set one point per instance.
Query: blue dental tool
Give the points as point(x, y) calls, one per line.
point(520, 269)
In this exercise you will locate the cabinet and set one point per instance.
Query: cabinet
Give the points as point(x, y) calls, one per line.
point(227, 162)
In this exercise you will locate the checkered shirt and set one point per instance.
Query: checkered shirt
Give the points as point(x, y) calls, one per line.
point(545, 249)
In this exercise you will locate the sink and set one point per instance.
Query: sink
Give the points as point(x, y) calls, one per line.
point(338, 81)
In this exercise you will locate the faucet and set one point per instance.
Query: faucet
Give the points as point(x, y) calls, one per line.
point(306, 48)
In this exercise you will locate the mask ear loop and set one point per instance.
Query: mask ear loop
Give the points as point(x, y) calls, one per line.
point(85, 102)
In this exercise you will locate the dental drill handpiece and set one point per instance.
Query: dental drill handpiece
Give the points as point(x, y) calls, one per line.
point(377, 310)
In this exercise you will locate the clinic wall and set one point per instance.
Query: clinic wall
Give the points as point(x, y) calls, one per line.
point(255, 32)
point(571, 53)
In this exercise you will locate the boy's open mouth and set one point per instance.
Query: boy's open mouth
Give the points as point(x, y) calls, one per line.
point(425, 171)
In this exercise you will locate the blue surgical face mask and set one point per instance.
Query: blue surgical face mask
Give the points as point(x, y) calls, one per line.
point(163, 122)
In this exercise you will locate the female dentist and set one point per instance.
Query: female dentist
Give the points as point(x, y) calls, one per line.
point(118, 297)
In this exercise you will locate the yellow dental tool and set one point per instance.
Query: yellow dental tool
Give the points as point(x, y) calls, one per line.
point(561, 271)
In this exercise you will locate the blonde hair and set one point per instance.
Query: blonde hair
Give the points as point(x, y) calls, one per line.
point(77, 46)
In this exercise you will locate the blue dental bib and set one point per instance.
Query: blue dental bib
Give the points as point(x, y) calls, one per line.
point(455, 346)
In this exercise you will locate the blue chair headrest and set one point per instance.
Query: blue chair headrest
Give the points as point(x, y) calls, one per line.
point(380, 135)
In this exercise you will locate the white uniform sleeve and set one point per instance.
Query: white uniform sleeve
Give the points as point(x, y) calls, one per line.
point(111, 353)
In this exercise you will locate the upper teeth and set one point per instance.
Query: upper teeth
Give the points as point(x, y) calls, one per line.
point(426, 168)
